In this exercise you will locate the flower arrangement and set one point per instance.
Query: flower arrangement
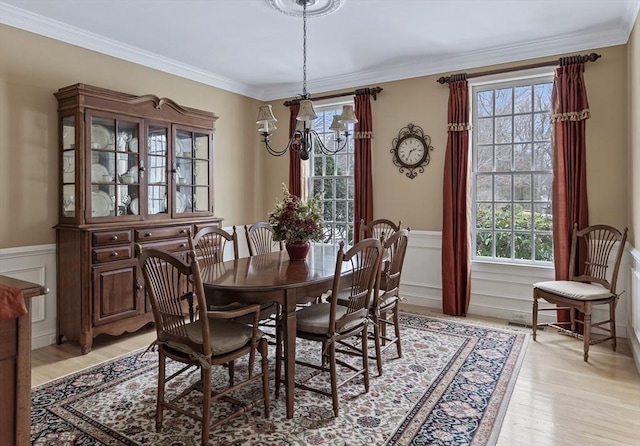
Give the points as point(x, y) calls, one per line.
point(295, 220)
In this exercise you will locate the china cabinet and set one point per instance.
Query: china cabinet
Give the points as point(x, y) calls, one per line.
point(133, 170)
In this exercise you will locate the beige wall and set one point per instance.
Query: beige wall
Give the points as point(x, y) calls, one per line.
point(247, 180)
point(423, 101)
point(32, 68)
point(633, 56)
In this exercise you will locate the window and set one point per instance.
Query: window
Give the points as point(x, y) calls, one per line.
point(512, 170)
point(332, 177)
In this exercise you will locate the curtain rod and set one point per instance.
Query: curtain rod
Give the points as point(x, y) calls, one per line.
point(562, 62)
point(370, 91)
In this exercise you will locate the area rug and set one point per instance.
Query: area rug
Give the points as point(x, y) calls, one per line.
point(451, 387)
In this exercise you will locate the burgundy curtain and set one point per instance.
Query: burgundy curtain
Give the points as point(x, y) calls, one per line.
point(456, 260)
point(363, 187)
point(569, 191)
point(295, 163)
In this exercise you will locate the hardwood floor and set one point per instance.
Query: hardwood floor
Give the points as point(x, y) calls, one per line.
point(558, 399)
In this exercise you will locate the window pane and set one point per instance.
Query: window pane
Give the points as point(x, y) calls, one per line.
point(484, 159)
point(503, 188)
point(485, 103)
point(504, 102)
point(484, 216)
point(543, 217)
point(522, 217)
point(484, 189)
point(522, 155)
point(522, 99)
point(484, 244)
point(541, 127)
point(542, 186)
point(522, 187)
point(544, 248)
point(503, 245)
point(542, 156)
point(503, 216)
point(503, 158)
point(522, 128)
point(503, 129)
point(484, 131)
point(542, 97)
point(522, 246)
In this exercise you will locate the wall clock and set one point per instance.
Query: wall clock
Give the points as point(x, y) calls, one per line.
point(411, 150)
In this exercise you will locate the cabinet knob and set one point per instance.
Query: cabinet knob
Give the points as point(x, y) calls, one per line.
point(182, 245)
point(148, 234)
point(114, 237)
point(114, 254)
point(183, 231)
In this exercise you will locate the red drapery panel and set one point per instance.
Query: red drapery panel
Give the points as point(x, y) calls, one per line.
point(295, 163)
point(456, 260)
point(570, 112)
point(569, 191)
point(363, 187)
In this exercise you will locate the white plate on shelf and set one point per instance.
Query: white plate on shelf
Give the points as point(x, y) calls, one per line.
point(133, 145)
point(133, 207)
point(101, 137)
point(181, 202)
point(101, 204)
point(133, 173)
point(98, 171)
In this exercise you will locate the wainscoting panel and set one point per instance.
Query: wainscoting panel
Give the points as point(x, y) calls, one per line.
point(35, 264)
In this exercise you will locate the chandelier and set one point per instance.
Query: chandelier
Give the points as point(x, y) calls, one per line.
point(305, 139)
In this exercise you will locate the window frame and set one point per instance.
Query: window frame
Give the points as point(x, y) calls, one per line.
point(495, 82)
point(336, 106)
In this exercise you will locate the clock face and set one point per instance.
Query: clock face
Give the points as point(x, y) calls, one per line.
point(411, 151)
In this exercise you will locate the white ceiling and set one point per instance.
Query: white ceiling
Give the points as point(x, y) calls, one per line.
point(247, 47)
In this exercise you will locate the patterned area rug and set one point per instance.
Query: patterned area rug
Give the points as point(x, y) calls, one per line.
point(451, 387)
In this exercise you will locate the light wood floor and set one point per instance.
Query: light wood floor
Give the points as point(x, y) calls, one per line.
point(558, 398)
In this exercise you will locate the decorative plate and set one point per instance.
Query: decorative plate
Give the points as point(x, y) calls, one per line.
point(101, 137)
point(133, 207)
point(98, 171)
point(101, 204)
point(181, 202)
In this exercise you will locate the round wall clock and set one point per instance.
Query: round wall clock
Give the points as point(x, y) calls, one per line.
point(411, 150)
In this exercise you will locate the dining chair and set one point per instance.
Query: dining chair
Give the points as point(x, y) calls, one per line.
point(210, 245)
point(260, 239)
point(329, 323)
point(378, 228)
point(384, 310)
point(590, 283)
point(213, 338)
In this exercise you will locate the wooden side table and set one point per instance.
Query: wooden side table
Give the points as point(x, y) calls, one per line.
point(15, 368)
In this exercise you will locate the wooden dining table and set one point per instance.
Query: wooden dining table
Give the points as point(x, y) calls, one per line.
point(274, 278)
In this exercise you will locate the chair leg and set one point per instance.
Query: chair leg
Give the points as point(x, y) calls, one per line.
point(396, 324)
point(534, 323)
point(587, 331)
point(160, 396)
point(206, 405)
point(612, 324)
point(365, 359)
point(333, 372)
point(278, 361)
point(376, 340)
point(231, 366)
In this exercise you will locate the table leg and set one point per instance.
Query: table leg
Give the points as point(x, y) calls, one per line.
point(289, 337)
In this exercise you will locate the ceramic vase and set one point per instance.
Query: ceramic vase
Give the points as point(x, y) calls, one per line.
point(297, 250)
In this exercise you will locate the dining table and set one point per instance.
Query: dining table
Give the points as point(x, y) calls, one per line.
point(273, 277)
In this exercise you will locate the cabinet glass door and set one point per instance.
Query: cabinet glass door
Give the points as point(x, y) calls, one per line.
point(115, 165)
point(192, 172)
point(68, 166)
point(157, 162)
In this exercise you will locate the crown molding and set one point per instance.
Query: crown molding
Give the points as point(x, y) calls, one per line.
point(25, 20)
point(616, 34)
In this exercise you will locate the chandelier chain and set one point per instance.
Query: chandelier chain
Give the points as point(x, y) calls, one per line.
point(304, 49)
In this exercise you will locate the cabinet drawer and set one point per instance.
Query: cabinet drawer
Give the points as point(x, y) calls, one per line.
point(111, 237)
point(168, 245)
point(143, 235)
point(101, 255)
